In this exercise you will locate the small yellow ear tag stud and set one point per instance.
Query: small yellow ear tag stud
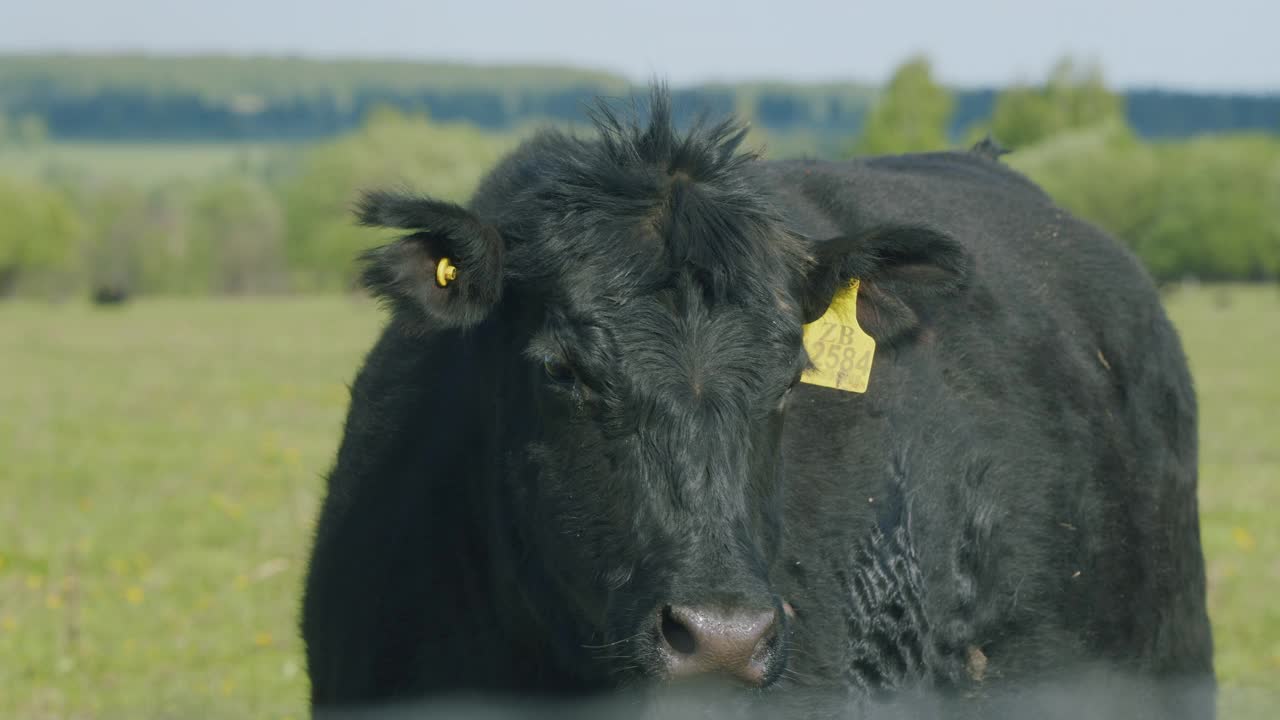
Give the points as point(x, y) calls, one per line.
point(445, 272)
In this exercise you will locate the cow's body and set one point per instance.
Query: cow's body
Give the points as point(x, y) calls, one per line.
point(1031, 460)
point(1011, 502)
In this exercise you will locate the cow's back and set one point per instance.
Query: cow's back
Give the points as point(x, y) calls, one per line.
point(1018, 483)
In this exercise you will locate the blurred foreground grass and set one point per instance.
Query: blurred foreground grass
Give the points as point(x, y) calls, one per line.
point(161, 464)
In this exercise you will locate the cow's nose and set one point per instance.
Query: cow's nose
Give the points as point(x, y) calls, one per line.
point(742, 644)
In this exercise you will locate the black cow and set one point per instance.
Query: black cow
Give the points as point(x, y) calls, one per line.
point(110, 294)
point(581, 457)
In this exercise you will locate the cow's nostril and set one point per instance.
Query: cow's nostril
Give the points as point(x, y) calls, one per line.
point(676, 634)
point(740, 643)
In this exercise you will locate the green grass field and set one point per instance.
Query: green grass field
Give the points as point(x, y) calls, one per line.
point(161, 467)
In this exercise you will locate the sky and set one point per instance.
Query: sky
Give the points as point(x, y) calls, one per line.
point(1218, 45)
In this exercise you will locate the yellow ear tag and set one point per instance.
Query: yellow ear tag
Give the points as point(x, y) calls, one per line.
point(839, 349)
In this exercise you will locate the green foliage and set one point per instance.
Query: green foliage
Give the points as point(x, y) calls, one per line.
point(119, 233)
point(910, 115)
point(22, 131)
point(252, 218)
point(243, 219)
point(1073, 97)
point(1220, 210)
point(30, 130)
point(445, 161)
point(238, 224)
point(1208, 208)
point(224, 235)
point(38, 232)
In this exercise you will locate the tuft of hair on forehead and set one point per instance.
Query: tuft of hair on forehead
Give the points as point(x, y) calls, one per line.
point(706, 152)
point(648, 202)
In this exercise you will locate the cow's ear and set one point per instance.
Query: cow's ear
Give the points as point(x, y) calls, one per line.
point(409, 274)
point(903, 271)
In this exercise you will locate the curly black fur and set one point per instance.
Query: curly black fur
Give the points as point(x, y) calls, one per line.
point(600, 418)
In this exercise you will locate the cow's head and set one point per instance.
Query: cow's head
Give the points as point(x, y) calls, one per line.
point(648, 300)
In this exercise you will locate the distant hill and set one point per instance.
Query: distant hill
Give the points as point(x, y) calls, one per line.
point(211, 98)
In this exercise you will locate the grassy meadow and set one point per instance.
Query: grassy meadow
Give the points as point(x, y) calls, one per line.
point(161, 465)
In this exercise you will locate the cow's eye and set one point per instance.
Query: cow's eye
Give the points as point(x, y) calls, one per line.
point(558, 370)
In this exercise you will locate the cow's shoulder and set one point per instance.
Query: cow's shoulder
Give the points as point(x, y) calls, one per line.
point(416, 390)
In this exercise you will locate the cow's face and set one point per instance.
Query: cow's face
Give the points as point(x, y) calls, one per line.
point(650, 304)
point(656, 470)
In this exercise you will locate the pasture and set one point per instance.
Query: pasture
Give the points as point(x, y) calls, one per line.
point(161, 464)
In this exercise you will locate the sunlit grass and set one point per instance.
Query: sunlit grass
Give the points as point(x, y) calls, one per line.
point(162, 464)
point(1232, 337)
point(161, 467)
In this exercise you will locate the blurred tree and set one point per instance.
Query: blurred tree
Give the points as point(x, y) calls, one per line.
point(38, 232)
point(1080, 95)
point(116, 216)
point(224, 234)
point(1209, 208)
point(1219, 218)
point(1021, 117)
point(910, 114)
point(239, 225)
point(1073, 97)
point(169, 261)
point(391, 149)
point(30, 130)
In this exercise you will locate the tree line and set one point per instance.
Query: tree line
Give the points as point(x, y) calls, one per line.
point(1206, 207)
point(258, 99)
